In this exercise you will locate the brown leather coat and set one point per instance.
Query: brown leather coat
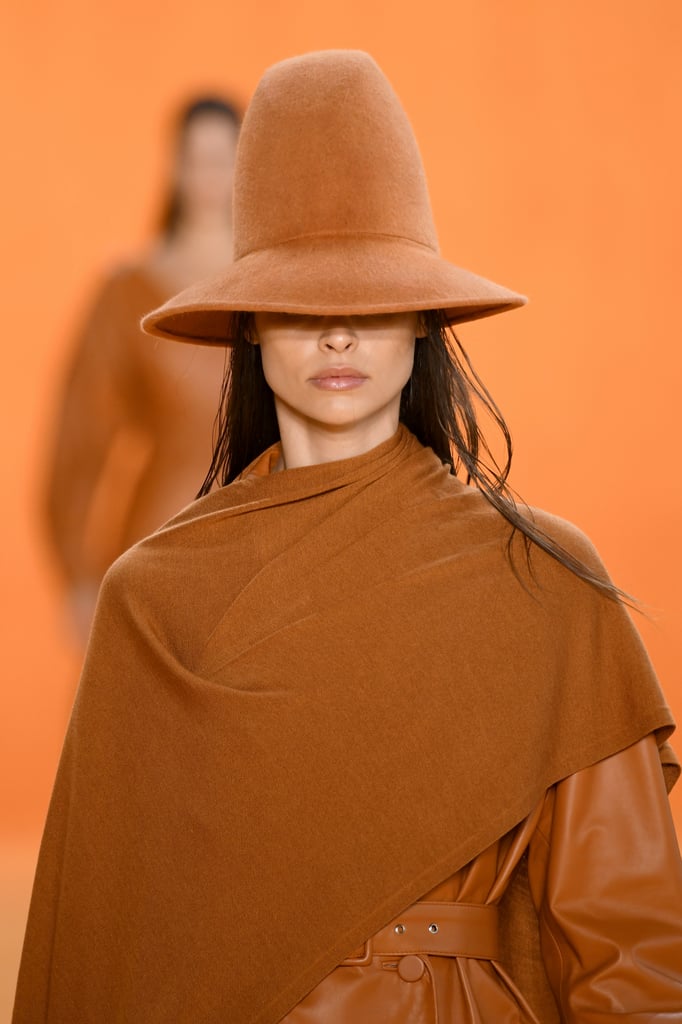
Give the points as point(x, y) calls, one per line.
point(605, 941)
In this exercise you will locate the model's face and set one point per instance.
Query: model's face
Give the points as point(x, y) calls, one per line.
point(337, 376)
point(205, 167)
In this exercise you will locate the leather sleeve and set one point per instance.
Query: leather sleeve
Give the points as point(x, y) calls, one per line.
point(606, 879)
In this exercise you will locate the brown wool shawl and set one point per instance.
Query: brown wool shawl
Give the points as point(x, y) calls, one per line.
point(308, 699)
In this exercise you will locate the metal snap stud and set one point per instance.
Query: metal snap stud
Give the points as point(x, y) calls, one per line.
point(399, 929)
point(433, 928)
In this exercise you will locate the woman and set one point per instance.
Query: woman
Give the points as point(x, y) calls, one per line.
point(135, 424)
point(348, 747)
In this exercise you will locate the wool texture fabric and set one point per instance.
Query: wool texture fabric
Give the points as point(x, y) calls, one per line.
point(331, 210)
point(308, 699)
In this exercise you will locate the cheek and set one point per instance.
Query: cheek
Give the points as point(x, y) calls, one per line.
point(404, 362)
point(278, 366)
point(269, 364)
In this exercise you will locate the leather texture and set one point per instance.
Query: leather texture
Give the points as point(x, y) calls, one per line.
point(605, 879)
point(437, 928)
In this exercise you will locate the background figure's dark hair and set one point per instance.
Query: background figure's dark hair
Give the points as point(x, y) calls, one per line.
point(199, 107)
point(438, 405)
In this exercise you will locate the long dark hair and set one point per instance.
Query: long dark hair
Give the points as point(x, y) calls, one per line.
point(438, 405)
point(199, 107)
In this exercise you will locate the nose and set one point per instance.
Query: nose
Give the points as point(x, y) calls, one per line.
point(338, 336)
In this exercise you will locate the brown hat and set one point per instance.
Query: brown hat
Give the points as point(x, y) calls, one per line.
point(331, 210)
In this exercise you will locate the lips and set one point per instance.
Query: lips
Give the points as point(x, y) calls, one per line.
point(338, 378)
point(339, 371)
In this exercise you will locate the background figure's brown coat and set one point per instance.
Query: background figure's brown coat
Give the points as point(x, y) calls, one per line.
point(133, 441)
point(309, 699)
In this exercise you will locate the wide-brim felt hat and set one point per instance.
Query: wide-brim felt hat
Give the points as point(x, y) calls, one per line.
point(331, 210)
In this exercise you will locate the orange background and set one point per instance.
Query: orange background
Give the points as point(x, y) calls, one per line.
point(550, 135)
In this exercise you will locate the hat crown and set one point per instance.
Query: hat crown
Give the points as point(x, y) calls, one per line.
point(327, 149)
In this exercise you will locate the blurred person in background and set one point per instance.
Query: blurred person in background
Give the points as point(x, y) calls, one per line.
point(133, 436)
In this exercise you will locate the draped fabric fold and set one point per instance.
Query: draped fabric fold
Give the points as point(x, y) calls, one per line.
point(310, 698)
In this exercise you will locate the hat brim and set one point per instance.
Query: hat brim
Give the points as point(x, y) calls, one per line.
point(326, 275)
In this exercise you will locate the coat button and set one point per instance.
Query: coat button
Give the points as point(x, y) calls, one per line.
point(411, 968)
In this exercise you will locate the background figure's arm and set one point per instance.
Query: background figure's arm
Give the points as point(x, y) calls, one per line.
point(606, 878)
point(91, 413)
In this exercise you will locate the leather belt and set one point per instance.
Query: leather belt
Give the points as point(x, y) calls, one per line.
point(436, 929)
